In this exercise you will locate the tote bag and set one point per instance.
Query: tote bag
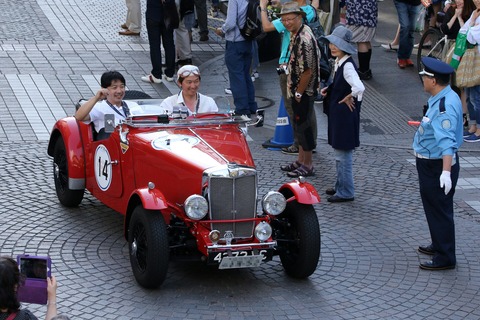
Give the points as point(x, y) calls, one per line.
point(468, 72)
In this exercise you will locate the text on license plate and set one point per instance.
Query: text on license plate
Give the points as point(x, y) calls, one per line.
point(241, 262)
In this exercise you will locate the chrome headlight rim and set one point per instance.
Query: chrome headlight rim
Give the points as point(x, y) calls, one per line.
point(263, 231)
point(196, 207)
point(274, 203)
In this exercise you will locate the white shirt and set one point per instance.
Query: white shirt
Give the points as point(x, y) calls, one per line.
point(101, 108)
point(473, 34)
point(205, 104)
point(351, 76)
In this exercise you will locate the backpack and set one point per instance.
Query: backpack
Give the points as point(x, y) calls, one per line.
point(325, 56)
point(253, 21)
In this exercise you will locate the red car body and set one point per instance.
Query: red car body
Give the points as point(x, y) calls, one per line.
point(151, 164)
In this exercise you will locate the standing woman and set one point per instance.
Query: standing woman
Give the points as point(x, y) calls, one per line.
point(407, 11)
point(362, 21)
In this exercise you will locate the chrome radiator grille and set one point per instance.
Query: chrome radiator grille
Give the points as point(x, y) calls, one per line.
point(232, 194)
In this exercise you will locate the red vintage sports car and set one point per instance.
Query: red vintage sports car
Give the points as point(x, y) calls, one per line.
point(187, 187)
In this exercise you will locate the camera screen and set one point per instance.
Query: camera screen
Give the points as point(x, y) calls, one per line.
point(33, 268)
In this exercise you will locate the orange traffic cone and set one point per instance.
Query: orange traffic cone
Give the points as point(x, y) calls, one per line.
point(283, 136)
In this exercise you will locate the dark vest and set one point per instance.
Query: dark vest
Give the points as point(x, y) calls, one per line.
point(343, 124)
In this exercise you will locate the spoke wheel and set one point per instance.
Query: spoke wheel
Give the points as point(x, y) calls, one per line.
point(429, 46)
point(148, 247)
point(66, 196)
point(299, 240)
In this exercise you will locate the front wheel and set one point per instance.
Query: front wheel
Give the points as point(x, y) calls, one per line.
point(148, 247)
point(429, 46)
point(68, 197)
point(298, 237)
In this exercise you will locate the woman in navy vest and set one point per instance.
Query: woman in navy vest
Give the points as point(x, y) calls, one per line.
point(342, 104)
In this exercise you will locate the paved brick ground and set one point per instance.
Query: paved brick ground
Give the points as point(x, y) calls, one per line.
point(52, 53)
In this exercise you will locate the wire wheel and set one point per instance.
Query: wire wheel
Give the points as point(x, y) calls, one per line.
point(430, 45)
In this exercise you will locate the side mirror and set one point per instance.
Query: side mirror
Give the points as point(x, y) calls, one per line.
point(109, 123)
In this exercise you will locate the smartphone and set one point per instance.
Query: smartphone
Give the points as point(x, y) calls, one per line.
point(34, 271)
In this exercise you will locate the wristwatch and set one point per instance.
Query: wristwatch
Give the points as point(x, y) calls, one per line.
point(298, 95)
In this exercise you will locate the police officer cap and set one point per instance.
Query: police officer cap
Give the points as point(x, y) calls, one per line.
point(432, 66)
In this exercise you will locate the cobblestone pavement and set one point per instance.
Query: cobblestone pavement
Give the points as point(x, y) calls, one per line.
point(52, 53)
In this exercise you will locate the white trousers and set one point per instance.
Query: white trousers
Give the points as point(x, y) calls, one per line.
point(134, 15)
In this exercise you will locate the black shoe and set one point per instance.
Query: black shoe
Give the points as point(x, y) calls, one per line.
point(204, 37)
point(430, 265)
point(426, 250)
point(367, 75)
point(338, 199)
point(330, 191)
point(181, 63)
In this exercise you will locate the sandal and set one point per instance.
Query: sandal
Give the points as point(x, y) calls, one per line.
point(291, 166)
point(301, 171)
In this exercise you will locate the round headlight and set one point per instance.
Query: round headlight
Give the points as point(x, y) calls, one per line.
point(263, 231)
point(274, 203)
point(196, 207)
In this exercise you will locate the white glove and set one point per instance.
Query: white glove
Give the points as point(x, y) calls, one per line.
point(445, 181)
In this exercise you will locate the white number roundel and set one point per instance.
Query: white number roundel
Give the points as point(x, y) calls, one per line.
point(103, 167)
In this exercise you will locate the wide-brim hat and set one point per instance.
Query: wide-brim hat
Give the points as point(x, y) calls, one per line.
point(341, 37)
point(291, 7)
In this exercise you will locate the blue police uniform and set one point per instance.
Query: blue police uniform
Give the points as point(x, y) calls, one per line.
point(439, 134)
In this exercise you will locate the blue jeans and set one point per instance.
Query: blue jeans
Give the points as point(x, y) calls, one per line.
point(238, 59)
point(473, 104)
point(344, 162)
point(407, 15)
point(156, 33)
point(255, 61)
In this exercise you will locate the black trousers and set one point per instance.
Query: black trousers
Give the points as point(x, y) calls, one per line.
point(438, 208)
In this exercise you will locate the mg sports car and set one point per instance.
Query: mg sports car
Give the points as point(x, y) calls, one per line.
point(187, 187)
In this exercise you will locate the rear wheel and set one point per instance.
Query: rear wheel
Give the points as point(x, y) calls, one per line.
point(148, 247)
point(429, 46)
point(298, 238)
point(66, 196)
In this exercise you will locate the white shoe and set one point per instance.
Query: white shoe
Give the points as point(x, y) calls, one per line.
point(169, 79)
point(390, 47)
point(228, 91)
point(255, 74)
point(151, 79)
point(253, 79)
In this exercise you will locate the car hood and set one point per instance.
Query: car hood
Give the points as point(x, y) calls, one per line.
point(202, 147)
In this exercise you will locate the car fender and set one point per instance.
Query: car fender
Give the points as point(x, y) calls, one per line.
point(303, 192)
point(68, 130)
point(152, 199)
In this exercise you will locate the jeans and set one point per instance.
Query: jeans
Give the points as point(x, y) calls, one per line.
point(156, 33)
point(344, 162)
point(255, 61)
point(473, 104)
point(407, 15)
point(238, 59)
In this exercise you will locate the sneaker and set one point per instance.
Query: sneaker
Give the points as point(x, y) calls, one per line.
point(467, 133)
point(251, 121)
point(253, 79)
point(204, 37)
point(228, 91)
point(214, 12)
point(181, 63)
point(151, 79)
point(255, 74)
point(169, 79)
point(472, 138)
point(292, 150)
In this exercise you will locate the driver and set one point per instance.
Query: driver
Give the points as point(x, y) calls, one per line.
point(188, 79)
point(107, 100)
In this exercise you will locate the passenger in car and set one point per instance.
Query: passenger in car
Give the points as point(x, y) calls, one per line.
point(188, 79)
point(107, 100)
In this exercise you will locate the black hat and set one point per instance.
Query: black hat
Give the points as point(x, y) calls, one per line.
point(434, 67)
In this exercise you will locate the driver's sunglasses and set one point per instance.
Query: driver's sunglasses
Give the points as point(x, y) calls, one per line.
point(187, 73)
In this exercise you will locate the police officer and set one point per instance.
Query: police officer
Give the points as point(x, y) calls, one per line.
point(435, 145)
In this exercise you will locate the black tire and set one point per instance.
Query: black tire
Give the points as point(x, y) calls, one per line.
point(134, 94)
point(300, 240)
point(66, 196)
point(148, 247)
point(429, 47)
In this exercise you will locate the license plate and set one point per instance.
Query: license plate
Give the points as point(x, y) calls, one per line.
point(241, 262)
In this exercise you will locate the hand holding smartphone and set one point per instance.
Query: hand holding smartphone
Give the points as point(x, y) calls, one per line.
point(35, 270)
